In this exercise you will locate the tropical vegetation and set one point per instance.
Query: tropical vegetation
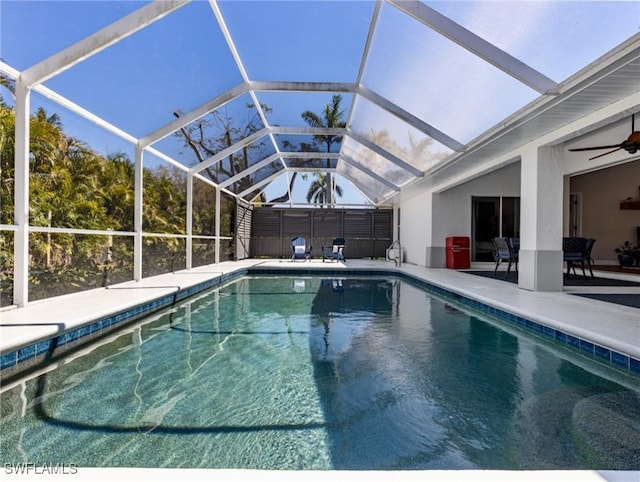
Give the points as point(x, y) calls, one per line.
point(73, 186)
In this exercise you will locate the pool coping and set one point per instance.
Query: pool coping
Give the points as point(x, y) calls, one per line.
point(17, 359)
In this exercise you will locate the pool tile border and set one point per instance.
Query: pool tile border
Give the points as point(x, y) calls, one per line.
point(29, 353)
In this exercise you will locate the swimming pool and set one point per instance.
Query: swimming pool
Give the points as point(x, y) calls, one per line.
point(324, 373)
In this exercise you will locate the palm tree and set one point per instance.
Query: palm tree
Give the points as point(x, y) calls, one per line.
point(331, 117)
point(9, 84)
point(318, 189)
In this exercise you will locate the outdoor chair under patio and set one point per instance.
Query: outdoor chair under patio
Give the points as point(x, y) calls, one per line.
point(587, 254)
point(578, 251)
point(336, 251)
point(503, 251)
point(299, 249)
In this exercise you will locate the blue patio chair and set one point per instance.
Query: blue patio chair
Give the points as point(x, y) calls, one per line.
point(503, 251)
point(336, 251)
point(514, 247)
point(299, 249)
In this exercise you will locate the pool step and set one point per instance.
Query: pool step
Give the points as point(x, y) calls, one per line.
point(539, 440)
point(607, 429)
point(578, 429)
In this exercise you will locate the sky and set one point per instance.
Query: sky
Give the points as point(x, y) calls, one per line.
point(182, 61)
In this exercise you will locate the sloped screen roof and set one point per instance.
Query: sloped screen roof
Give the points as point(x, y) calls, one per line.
point(221, 88)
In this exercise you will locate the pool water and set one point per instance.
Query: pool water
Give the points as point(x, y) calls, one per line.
point(313, 373)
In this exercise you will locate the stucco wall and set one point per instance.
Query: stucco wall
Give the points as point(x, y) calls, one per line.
point(415, 228)
point(450, 212)
point(454, 216)
point(602, 218)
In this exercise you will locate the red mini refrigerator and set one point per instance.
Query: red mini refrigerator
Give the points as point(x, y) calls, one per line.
point(458, 255)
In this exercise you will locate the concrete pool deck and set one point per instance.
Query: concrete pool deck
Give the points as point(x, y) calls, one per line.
point(607, 324)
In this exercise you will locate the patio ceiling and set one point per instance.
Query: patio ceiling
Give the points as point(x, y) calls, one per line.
point(426, 86)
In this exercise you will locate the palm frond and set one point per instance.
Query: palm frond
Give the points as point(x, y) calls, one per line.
point(312, 119)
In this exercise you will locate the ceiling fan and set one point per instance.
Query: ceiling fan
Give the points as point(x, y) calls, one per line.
point(631, 144)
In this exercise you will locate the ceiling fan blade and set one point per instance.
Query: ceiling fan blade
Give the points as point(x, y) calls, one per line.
point(600, 155)
point(594, 148)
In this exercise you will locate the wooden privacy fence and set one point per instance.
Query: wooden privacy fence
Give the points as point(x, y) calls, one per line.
point(368, 232)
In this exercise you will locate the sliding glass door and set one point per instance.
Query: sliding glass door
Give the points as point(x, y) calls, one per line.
point(492, 217)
